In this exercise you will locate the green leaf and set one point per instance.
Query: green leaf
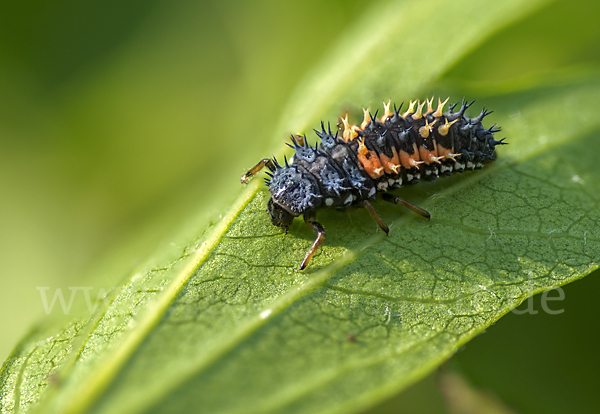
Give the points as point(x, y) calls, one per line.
point(227, 325)
point(547, 336)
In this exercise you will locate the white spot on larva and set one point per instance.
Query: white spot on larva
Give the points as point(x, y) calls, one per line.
point(395, 182)
point(266, 313)
point(382, 186)
point(372, 192)
point(577, 179)
point(348, 201)
point(459, 166)
point(329, 202)
point(470, 165)
point(409, 177)
point(479, 165)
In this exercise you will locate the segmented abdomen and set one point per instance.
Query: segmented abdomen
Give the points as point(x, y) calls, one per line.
point(381, 153)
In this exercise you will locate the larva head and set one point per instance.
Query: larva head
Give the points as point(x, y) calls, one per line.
point(280, 217)
point(292, 194)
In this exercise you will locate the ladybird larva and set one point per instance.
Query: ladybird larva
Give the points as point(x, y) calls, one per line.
point(379, 155)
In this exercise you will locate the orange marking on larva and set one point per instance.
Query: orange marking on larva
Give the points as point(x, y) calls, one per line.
point(409, 160)
point(370, 161)
point(429, 105)
point(443, 151)
point(426, 129)
point(366, 119)
point(427, 155)
point(439, 111)
point(353, 133)
point(390, 165)
point(299, 139)
point(386, 111)
point(419, 113)
point(349, 132)
point(443, 129)
point(411, 109)
point(396, 168)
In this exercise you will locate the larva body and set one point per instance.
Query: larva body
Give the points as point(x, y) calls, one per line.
point(380, 154)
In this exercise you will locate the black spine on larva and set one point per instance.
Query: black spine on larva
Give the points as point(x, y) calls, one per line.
point(344, 156)
point(331, 175)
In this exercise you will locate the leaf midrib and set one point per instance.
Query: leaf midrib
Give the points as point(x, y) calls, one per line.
point(89, 391)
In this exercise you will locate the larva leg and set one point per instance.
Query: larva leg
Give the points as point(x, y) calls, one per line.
point(259, 166)
point(318, 228)
point(397, 200)
point(376, 216)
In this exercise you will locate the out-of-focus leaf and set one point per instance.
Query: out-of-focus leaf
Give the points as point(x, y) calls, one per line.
point(537, 346)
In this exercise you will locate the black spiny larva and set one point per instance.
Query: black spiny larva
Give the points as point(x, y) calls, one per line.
point(380, 154)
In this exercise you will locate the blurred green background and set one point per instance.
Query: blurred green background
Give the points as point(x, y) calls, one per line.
point(117, 119)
